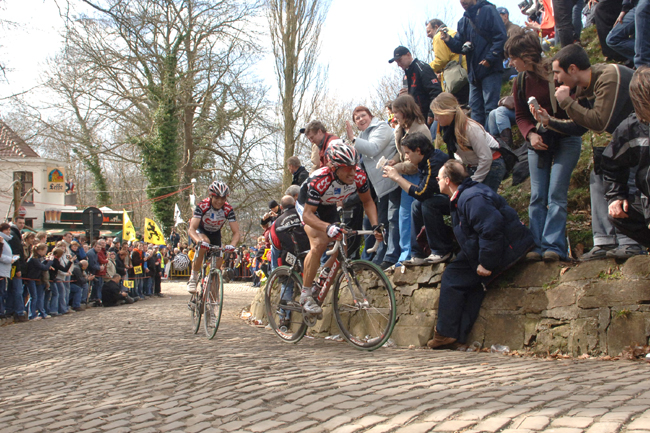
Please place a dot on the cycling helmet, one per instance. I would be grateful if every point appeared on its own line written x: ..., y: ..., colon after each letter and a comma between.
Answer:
x: 342, y: 155
x: 219, y: 189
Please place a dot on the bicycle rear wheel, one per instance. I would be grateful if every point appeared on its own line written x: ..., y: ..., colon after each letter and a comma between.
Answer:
x: 282, y: 299
x: 364, y: 305
x: 213, y: 304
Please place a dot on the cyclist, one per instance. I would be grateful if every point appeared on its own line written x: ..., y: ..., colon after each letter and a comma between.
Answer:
x: 209, y: 217
x: 317, y: 206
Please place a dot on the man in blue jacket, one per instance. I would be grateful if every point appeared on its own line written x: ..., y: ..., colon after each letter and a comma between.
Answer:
x: 430, y: 205
x: 491, y: 238
x: 481, y: 37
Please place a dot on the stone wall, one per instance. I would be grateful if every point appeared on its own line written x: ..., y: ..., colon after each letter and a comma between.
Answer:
x: 595, y: 307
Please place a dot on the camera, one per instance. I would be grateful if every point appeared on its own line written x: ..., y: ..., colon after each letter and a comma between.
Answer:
x: 467, y: 48
x: 531, y: 8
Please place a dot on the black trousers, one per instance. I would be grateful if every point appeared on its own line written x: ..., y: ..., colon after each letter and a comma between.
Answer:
x: 461, y: 296
x: 634, y: 225
x: 607, y: 12
x: 563, y: 12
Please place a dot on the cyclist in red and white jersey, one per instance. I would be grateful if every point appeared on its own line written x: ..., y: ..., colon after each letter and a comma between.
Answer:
x: 317, y: 206
x: 209, y: 218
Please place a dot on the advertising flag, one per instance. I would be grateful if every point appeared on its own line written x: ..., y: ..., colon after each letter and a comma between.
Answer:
x: 177, y: 215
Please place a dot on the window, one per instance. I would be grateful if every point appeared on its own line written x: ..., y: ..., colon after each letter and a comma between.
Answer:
x: 26, y: 179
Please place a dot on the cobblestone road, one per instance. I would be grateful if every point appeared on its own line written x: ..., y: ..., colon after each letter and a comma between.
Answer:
x: 139, y: 368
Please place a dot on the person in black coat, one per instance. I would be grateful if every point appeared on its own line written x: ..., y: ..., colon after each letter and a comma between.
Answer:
x: 492, y: 239
x: 113, y: 292
x: 297, y: 170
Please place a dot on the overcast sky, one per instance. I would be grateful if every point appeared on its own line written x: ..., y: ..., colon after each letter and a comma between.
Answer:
x: 357, y: 40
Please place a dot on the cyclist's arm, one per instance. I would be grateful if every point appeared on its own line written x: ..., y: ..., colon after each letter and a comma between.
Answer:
x: 191, y: 231
x: 234, y: 227
x: 310, y: 218
x: 369, y: 207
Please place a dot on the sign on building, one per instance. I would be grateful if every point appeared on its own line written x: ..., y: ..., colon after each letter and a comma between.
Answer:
x: 55, y: 180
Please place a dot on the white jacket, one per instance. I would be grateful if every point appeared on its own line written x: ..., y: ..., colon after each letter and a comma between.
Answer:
x: 6, y: 257
x: 376, y: 141
x: 479, y: 154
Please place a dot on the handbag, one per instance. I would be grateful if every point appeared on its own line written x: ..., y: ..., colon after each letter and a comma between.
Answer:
x: 455, y: 76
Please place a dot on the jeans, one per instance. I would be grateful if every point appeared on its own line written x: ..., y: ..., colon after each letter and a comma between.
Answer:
x: 66, y: 284
x: 548, y: 198
x: 388, y: 214
x: 484, y: 96
x: 63, y: 305
x: 461, y: 296
x: 275, y: 256
x: 496, y: 174
x: 138, y: 287
x: 405, y: 219
x: 429, y: 214
x: 52, y: 300
x: 96, y: 292
x: 603, y: 230
x: 149, y: 286
x: 84, y: 293
x: 3, y: 294
x: 621, y: 38
x: 642, y: 44
x: 15, y: 301
x: 75, y: 295
x: 499, y: 120
x: 33, y: 294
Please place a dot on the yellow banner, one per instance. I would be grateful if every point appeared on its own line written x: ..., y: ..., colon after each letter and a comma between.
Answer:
x: 128, y: 231
x: 152, y: 234
x: 137, y: 270
x: 128, y: 284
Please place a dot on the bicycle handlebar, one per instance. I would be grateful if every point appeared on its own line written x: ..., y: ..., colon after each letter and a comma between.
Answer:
x: 358, y: 232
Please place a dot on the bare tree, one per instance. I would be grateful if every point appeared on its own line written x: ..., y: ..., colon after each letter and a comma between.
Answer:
x: 295, y: 27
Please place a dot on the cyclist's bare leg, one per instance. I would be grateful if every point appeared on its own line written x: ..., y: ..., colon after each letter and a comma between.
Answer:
x: 197, y: 263
x: 318, y: 243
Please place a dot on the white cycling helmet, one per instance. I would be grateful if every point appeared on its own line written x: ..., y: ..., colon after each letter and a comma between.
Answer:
x: 219, y: 189
x: 342, y: 155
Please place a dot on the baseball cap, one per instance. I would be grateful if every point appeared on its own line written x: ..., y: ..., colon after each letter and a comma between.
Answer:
x: 503, y: 11
x: 399, y: 52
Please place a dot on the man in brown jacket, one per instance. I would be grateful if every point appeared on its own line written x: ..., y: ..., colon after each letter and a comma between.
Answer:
x: 600, y: 103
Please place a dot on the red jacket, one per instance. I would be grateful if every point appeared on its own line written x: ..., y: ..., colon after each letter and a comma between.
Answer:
x: 101, y: 258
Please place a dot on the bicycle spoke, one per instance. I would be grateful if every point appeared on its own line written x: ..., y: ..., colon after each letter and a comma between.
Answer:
x: 283, y: 310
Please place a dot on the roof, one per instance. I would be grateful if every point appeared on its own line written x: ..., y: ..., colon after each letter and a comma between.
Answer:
x: 12, y: 146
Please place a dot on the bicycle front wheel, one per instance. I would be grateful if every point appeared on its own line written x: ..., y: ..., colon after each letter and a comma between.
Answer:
x: 282, y: 300
x: 364, y: 305
x: 213, y: 304
x: 194, y: 306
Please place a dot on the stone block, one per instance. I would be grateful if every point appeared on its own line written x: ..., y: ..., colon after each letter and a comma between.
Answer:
x: 410, y: 275
x: 615, y: 292
x: 530, y: 330
x: 584, y: 337
x: 478, y: 331
x: 561, y: 296
x: 588, y: 270
x: 530, y: 274
x: 637, y: 267
x: 414, y: 330
x: 563, y: 313
x: 625, y: 330
x: 552, y: 339
x: 504, y: 298
x: 425, y: 299
x: 407, y: 290
x: 326, y: 324
x: 535, y: 300
x: 504, y: 329
x: 403, y: 304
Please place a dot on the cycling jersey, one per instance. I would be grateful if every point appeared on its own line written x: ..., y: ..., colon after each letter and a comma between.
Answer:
x: 212, y: 220
x: 323, y: 188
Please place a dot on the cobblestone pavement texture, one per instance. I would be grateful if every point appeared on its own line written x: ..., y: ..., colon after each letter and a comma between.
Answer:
x: 140, y: 368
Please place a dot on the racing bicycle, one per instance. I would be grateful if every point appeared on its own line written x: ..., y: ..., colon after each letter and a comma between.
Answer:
x: 363, y: 301
x: 208, y: 300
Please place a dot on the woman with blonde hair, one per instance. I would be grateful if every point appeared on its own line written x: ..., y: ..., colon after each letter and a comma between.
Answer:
x: 410, y: 120
x: 468, y: 142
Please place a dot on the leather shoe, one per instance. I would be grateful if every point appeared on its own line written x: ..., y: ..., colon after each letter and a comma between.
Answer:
x: 440, y: 341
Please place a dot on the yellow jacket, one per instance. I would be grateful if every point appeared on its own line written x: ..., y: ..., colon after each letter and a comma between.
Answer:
x: 443, y: 54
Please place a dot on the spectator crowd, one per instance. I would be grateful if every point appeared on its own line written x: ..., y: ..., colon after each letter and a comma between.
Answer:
x: 41, y: 277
